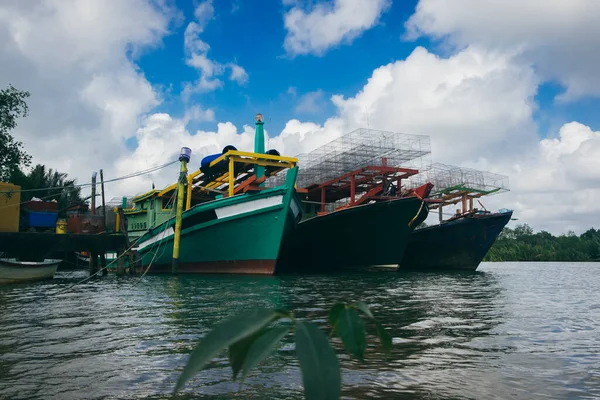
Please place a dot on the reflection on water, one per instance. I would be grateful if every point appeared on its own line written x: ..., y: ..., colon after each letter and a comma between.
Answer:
x: 509, y: 331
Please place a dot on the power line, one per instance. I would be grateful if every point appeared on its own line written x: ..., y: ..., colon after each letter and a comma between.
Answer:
x: 83, y: 185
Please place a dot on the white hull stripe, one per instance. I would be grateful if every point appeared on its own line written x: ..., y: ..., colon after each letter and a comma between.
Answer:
x: 248, y: 206
x: 223, y: 212
x: 164, y: 234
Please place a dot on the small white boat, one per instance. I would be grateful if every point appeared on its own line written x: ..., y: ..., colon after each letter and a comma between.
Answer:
x: 15, y: 271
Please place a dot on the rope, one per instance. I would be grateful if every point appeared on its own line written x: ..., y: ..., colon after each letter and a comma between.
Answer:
x: 116, y: 259
x: 412, y: 221
x: 158, y: 243
x: 83, y: 280
x: 70, y: 189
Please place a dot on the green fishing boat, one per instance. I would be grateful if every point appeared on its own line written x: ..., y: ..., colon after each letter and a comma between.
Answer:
x: 232, y: 222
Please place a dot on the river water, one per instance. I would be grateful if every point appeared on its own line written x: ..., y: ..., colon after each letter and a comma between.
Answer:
x: 509, y: 330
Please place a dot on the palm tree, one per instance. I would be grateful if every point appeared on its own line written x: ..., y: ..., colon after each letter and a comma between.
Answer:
x: 48, y: 185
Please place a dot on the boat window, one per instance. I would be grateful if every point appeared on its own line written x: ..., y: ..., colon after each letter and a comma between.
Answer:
x: 166, y: 204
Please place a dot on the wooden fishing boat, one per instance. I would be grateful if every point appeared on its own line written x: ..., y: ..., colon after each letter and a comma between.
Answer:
x: 15, y: 271
x: 370, y: 227
x: 455, y: 245
x: 356, y: 237
x: 232, y: 222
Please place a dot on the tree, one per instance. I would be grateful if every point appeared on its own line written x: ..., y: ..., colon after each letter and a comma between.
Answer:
x: 522, y: 244
x: 12, y: 107
x: 50, y: 185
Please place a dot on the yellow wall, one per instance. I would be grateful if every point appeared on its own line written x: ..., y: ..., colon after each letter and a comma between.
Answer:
x: 9, y: 207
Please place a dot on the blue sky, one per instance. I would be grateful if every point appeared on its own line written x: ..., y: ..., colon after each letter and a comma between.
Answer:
x: 253, y: 36
x: 511, y: 87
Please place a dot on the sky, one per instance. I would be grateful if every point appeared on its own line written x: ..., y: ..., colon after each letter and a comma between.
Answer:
x: 509, y: 87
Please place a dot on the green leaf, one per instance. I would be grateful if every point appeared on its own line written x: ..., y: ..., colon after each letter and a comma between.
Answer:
x: 351, y: 329
x: 238, y: 352
x: 318, y: 363
x: 334, y: 313
x: 262, y: 347
x: 384, y: 337
x: 223, y: 335
x: 362, y: 306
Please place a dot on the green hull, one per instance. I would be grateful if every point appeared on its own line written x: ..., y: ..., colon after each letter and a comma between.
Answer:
x: 241, y: 234
x: 360, y: 236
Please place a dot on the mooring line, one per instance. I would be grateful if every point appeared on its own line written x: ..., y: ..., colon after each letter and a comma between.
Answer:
x: 172, y: 199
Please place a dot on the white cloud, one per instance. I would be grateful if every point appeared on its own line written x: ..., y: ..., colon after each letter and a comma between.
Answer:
x: 160, y: 138
x: 310, y: 102
x: 197, y: 56
x: 557, y: 37
x: 557, y: 187
x: 87, y: 95
x: 196, y: 113
x: 238, y: 74
x: 328, y: 24
x: 473, y: 104
x: 204, y: 12
x: 477, y: 107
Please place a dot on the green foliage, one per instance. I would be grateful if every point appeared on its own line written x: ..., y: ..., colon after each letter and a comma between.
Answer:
x: 65, y: 191
x: 12, y: 107
x: 522, y: 244
x: 224, y: 335
x: 262, y: 347
x: 250, y: 341
x: 351, y: 329
x: 319, y: 364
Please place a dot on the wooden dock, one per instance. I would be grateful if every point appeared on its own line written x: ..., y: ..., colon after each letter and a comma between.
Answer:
x: 37, y: 246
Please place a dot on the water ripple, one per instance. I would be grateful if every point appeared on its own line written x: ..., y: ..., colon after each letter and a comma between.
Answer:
x: 510, y: 331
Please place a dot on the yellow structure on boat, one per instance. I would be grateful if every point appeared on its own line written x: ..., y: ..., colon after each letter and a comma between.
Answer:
x: 10, y: 201
x: 238, y: 163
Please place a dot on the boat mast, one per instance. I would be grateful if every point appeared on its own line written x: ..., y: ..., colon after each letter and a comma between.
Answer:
x: 184, y: 157
x: 259, y: 145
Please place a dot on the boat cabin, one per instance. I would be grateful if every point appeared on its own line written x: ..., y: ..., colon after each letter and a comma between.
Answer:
x: 149, y: 209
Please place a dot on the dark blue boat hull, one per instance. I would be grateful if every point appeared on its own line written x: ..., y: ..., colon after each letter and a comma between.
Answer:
x: 457, y: 245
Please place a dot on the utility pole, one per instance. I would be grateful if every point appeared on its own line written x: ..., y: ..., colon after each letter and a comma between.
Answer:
x: 94, y: 193
x: 103, y: 204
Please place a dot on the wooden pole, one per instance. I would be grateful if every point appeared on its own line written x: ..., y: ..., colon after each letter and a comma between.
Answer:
x: 121, y: 263
x: 103, y: 264
x: 188, y: 199
x: 103, y: 203
x: 184, y: 157
x: 232, y: 177
x: 93, y: 263
x: 94, y: 193
x: 440, y: 211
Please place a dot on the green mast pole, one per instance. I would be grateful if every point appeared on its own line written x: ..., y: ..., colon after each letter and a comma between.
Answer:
x: 259, y: 144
